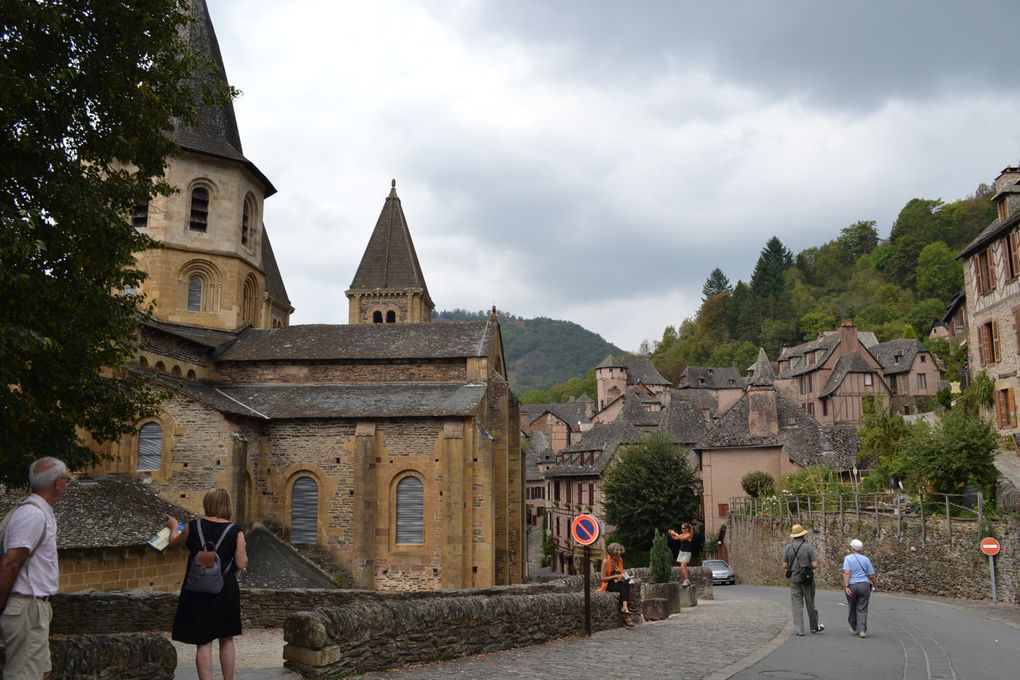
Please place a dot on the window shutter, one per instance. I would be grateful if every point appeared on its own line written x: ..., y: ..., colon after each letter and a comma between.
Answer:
x: 195, y: 294
x: 150, y: 446
x: 991, y: 268
x: 995, y: 354
x: 304, y: 511
x: 1014, y: 254
x: 982, y: 346
x: 199, y: 209
x: 411, y: 511
x: 1012, y: 407
x: 998, y: 408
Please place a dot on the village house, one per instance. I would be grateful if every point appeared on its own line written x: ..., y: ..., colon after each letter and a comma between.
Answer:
x: 765, y: 431
x: 991, y: 278
x: 615, y: 376
x: 391, y: 441
x: 829, y: 377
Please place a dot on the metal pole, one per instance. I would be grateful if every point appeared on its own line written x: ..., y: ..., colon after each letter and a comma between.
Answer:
x: 949, y: 521
x: 587, y: 590
x: 924, y: 527
x: 991, y: 565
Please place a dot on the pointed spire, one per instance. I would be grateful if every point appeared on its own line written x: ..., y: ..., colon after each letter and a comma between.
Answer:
x: 762, y: 373
x: 214, y: 131
x: 390, y: 262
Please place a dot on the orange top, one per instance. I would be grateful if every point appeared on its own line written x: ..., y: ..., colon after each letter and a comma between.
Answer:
x: 610, y: 566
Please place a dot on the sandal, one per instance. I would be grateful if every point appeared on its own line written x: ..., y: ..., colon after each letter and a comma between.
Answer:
x: 628, y: 621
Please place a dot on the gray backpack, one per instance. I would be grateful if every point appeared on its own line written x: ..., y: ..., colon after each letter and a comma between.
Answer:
x: 205, y: 574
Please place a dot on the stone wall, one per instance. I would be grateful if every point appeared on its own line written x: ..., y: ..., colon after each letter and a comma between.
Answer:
x: 946, y: 562
x: 112, y: 657
x: 366, y: 636
x: 130, y: 568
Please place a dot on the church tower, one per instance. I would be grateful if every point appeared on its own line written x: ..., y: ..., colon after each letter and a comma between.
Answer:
x: 215, y: 267
x: 389, y: 286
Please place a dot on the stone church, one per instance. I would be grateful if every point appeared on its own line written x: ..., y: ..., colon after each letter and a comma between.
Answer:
x: 393, y: 440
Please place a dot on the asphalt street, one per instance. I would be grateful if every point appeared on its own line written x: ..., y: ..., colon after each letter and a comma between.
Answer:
x: 909, y: 638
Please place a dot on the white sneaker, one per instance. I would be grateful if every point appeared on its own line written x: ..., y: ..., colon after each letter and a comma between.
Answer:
x: 685, y: 583
x: 864, y: 633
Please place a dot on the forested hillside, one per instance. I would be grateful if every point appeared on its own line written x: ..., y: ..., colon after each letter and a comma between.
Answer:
x: 542, y: 352
x: 895, y: 287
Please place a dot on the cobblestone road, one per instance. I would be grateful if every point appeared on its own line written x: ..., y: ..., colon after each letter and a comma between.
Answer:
x: 696, y: 643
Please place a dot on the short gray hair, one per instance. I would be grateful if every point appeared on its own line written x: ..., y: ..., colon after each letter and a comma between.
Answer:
x: 44, y: 472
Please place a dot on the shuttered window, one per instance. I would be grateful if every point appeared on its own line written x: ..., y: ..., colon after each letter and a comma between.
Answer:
x: 199, y: 218
x: 150, y: 446
x: 195, y: 294
x: 410, y: 511
x: 304, y: 511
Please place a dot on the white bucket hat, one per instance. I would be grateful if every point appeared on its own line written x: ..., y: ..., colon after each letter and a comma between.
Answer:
x: 856, y: 544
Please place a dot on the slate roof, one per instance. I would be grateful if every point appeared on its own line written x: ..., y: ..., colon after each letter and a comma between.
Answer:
x: 387, y: 400
x: 958, y: 300
x: 641, y: 370
x: 711, y: 377
x: 762, y: 374
x: 828, y: 341
x: 274, y: 280
x: 104, y: 512
x: 390, y: 261
x: 538, y: 451
x: 215, y: 130
x: 848, y: 363
x: 804, y: 440
x: 363, y: 342
x: 990, y: 233
x: 681, y: 420
x: 701, y: 398
x: 610, y: 362
x: 887, y: 352
x: 571, y: 412
x: 200, y: 336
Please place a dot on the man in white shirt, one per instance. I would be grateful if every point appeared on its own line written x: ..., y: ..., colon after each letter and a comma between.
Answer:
x: 29, y: 574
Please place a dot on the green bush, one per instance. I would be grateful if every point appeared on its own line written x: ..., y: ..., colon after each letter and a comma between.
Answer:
x: 660, y: 559
x: 757, y: 484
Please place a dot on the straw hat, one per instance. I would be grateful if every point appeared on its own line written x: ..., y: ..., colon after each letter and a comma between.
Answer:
x: 797, y: 531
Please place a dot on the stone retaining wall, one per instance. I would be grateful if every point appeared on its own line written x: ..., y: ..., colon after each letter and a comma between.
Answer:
x: 373, y: 635
x: 112, y: 657
x: 944, y: 564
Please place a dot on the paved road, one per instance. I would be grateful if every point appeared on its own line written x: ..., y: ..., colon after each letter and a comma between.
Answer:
x: 744, y: 634
x: 909, y: 638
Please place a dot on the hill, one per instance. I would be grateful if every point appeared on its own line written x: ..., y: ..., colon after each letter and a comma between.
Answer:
x: 542, y: 352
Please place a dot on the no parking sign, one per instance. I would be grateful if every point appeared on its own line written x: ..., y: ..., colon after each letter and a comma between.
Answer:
x: 585, y: 529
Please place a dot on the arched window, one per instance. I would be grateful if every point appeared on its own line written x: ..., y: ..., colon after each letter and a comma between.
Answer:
x: 377, y: 317
x: 410, y: 511
x: 195, y: 293
x: 249, y: 301
x: 391, y: 316
x: 199, y: 216
x: 140, y: 217
x: 176, y: 372
x: 304, y: 511
x: 143, y: 362
x: 246, y: 216
x: 150, y: 446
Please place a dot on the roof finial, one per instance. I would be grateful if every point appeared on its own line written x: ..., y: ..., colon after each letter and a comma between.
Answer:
x: 393, y: 188
x: 393, y: 183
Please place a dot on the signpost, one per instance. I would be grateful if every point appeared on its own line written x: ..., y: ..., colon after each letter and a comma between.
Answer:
x: 585, y: 529
x: 990, y: 546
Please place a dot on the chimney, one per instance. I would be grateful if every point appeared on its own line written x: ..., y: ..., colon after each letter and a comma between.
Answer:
x: 1009, y: 176
x: 1007, y: 193
x: 848, y: 340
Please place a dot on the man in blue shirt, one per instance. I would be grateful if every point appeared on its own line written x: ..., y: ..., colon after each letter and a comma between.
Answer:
x: 859, y: 580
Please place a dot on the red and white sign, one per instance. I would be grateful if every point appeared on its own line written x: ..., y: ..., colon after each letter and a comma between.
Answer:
x: 585, y: 529
x: 989, y: 546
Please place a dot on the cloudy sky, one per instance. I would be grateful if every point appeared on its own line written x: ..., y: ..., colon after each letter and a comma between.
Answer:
x: 594, y: 161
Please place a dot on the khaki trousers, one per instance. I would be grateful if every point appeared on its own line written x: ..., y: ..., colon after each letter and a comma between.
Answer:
x: 26, y: 629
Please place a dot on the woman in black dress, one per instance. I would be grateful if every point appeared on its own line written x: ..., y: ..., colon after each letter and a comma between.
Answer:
x: 203, y: 617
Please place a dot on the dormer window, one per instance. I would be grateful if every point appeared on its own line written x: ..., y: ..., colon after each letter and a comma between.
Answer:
x: 199, y: 213
x: 1001, y: 204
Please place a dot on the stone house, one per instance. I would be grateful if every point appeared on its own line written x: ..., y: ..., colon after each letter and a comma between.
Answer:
x: 991, y: 279
x: 766, y: 431
x: 574, y: 481
x: 830, y: 376
x: 953, y: 323
x: 538, y: 458
x: 391, y: 441
x: 715, y: 389
x: 614, y: 376
x: 562, y: 423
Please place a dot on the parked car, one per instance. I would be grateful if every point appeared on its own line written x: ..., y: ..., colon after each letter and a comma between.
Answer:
x: 721, y: 572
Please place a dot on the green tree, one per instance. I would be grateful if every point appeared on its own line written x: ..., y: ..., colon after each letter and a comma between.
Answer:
x: 939, y: 274
x: 958, y: 451
x: 660, y: 559
x: 919, y: 223
x: 715, y: 284
x: 813, y: 323
x: 88, y: 95
x: 647, y: 486
x: 860, y: 238
x: 758, y: 484
x: 881, y: 431
x: 769, y: 277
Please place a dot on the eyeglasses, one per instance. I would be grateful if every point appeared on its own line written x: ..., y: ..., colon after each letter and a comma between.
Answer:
x: 65, y: 478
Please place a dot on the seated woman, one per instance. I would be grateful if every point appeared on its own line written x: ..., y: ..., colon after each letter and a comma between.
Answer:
x: 615, y: 580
